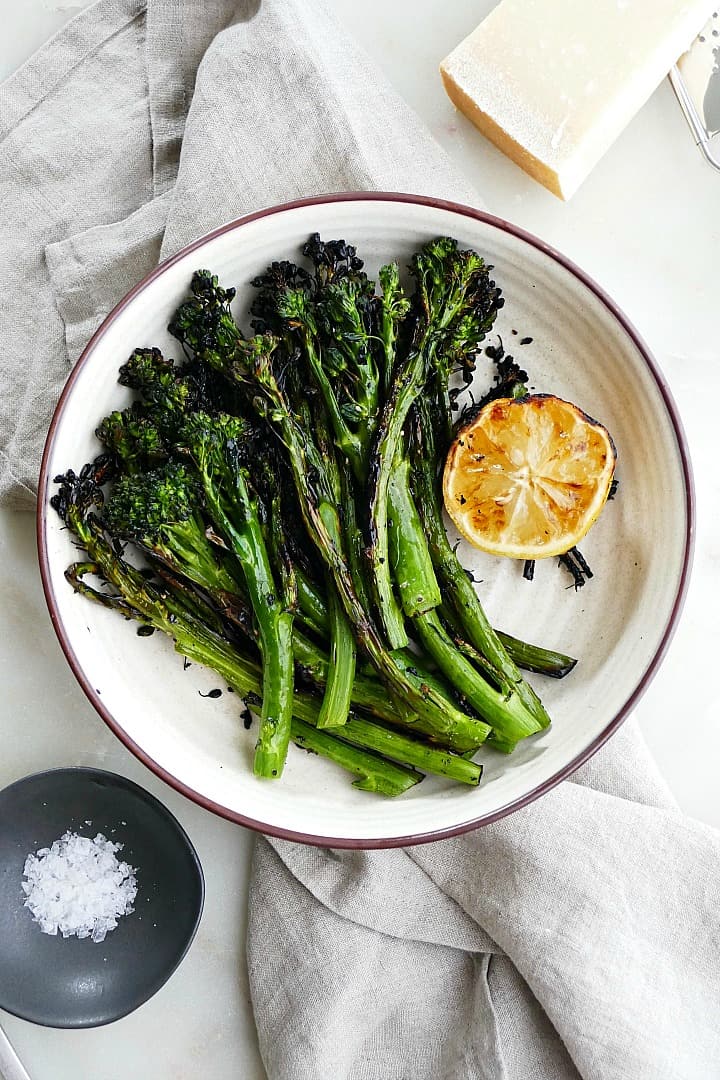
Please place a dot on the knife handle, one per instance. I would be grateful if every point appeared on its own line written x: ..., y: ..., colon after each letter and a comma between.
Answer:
x: 11, y: 1068
x: 696, y: 82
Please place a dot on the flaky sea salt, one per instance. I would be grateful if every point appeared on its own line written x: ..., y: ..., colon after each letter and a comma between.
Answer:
x: 77, y: 886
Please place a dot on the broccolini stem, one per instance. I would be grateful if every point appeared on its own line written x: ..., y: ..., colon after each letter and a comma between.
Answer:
x: 340, y: 669
x: 277, y: 543
x: 278, y: 673
x: 311, y: 604
x: 373, y: 773
x: 193, y: 640
x: 410, y: 559
x: 406, y: 386
x: 313, y: 663
x: 439, y: 715
x: 75, y: 575
x: 504, y: 746
x: 494, y: 677
x: 347, y: 441
x: 531, y: 657
x: 461, y: 737
x: 536, y: 658
x: 244, y: 534
x: 409, y: 751
x: 446, y: 722
x: 542, y: 661
x: 367, y: 692
x: 371, y: 696
x: 506, y: 715
x: 356, y: 551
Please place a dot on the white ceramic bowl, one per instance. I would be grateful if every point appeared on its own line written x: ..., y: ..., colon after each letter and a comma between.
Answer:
x: 583, y: 349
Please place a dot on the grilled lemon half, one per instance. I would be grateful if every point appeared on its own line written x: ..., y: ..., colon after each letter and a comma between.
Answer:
x: 528, y: 477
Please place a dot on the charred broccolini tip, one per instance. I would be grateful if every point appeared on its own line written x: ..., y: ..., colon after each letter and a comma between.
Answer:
x: 79, y: 501
x: 278, y: 278
x: 216, y: 442
x: 146, y: 506
x: 331, y: 259
x: 133, y: 438
x: 455, y: 289
x: 510, y: 379
x: 204, y: 322
x: 144, y: 371
x: 456, y: 285
x: 79, y: 495
x: 394, y: 307
x: 162, y: 511
x: 166, y: 392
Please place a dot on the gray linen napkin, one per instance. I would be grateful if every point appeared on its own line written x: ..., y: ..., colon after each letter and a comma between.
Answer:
x: 581, y: 936
x: 578, y: 938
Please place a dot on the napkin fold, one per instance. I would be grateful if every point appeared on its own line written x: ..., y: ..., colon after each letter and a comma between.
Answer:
x: 579, y: 937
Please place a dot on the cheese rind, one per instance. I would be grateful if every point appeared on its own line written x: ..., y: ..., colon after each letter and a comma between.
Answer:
x: 553, y: 82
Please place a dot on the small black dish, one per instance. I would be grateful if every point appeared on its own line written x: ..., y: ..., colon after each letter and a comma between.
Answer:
x: 72, y: 982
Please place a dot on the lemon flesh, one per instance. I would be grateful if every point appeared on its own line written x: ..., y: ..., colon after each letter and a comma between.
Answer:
x: 528, y: 477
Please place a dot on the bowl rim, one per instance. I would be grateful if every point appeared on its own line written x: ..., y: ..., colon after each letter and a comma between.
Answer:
x: 88, y: 772
x: 614, y: 723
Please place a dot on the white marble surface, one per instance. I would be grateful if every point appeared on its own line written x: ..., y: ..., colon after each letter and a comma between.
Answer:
x: 646, y: 225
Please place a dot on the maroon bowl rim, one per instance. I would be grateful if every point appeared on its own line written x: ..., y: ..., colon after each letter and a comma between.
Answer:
x: 617, y: 719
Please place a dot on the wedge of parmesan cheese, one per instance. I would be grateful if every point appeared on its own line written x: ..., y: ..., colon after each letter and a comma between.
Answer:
x: 553, y: 82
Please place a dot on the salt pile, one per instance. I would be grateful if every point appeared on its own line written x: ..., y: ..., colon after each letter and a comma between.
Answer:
x: 79, y: 887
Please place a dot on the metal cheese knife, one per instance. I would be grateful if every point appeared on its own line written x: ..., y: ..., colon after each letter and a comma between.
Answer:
x: 11, y: 1067
x: 696, y: 82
